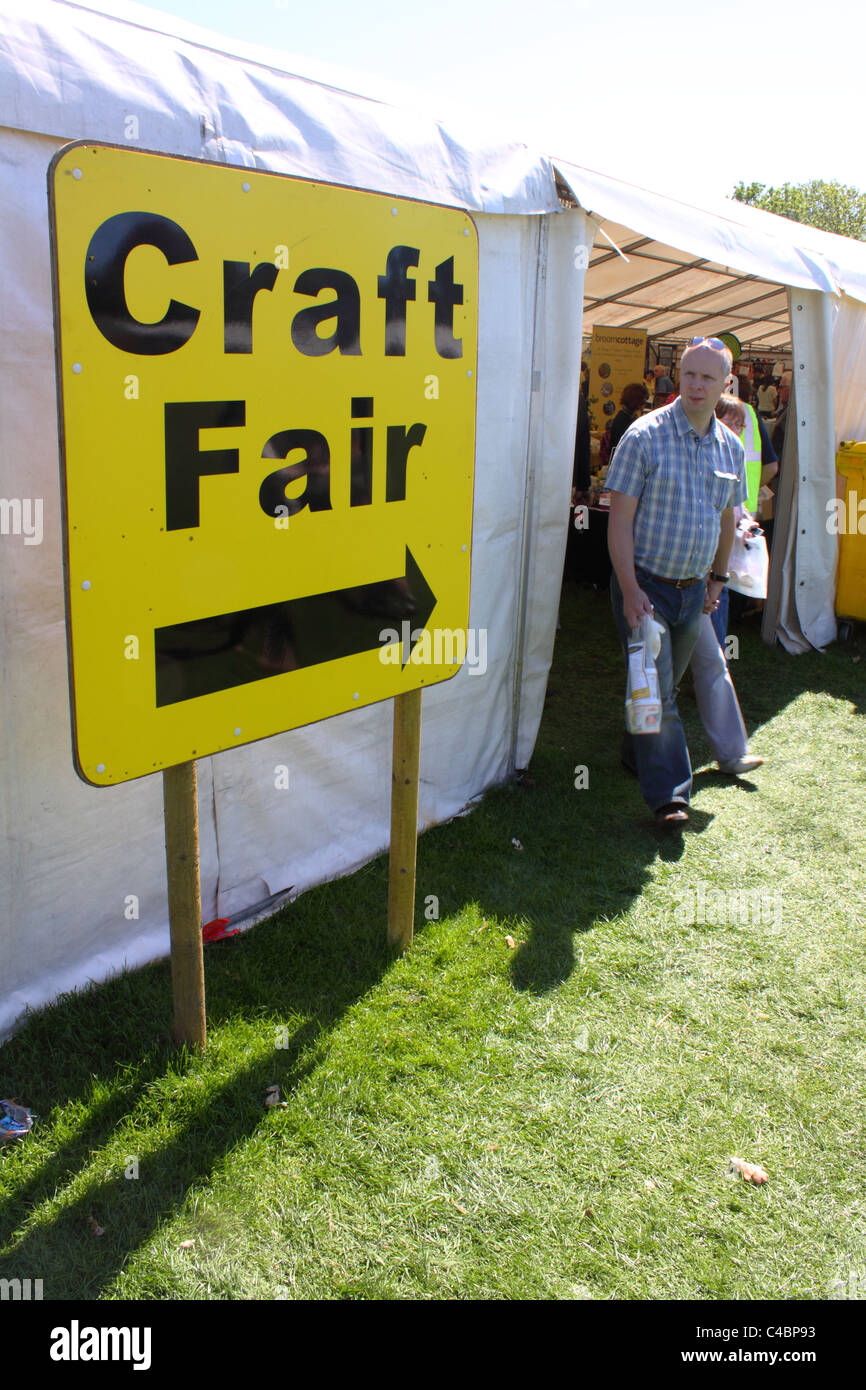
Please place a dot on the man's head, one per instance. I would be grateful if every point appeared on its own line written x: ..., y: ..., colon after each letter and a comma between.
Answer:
x: 715, y: 345
x: 658, y: 370
x: 704, y: 371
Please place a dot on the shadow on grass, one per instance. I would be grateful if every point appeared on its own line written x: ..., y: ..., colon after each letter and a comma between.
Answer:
x: 580, y: 858
x: 107, y: 1053
x: 600, y: 847
x: 288, y: 970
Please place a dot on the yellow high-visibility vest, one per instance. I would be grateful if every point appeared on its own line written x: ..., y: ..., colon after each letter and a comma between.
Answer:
x: 751, y: 442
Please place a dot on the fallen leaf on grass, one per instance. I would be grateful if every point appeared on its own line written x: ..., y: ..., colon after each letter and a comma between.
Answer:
x: 749, y: 1172
x: 491, y: 1148
x: 95, y: 1227
x: 457, y: 1207
x: 186, y: 1245
x: 510, y: 943
x: 517, y: 844
x: 272, y: 1099
x: 650, y: 1185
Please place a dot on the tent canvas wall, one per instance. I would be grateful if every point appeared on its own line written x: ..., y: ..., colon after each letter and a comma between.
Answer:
x: 72, y: 856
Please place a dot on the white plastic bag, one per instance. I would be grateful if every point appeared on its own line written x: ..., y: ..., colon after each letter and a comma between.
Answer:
x: 748, y: 564
x: 643, y: 706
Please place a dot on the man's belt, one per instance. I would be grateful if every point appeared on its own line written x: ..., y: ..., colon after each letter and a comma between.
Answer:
x: 677, y: 583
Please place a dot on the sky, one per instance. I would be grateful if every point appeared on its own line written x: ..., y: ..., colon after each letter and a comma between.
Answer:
x: 681, y: 97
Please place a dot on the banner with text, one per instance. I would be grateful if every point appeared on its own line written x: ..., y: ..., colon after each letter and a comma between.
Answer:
x: 617, y: 358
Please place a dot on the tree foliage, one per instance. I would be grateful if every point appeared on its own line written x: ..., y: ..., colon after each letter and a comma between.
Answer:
x: 833, y: 206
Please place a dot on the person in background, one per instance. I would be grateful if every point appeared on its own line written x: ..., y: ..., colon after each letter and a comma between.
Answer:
x: 582, y: 454
x: 778, y: 425
x: 632, y: 402
x: 776, y: 428
x: 732, y: 412
x: 716, y: 697
x: 761, y: 461
x: 663, y: 386
x: 580, y: 472
x: 649, y: 381
x: 767, y: 397
x: 762, y: 465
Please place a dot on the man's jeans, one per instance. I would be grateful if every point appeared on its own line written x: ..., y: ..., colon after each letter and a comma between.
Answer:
x: 717, y: 700
x: 720, y: 618
x: 662, y: 760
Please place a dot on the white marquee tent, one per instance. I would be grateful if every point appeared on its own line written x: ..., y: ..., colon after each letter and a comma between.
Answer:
x: 71, y: 855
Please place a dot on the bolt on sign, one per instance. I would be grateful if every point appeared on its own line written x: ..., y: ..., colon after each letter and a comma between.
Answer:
x: 267, y: 396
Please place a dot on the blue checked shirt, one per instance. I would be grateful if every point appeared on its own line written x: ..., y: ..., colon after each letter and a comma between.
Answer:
x: 683, y: 484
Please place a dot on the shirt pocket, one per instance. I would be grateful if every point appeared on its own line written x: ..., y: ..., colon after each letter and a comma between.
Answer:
x: 722, y: 486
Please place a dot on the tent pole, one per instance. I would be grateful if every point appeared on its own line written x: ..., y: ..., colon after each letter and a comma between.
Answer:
x: 534, y: 436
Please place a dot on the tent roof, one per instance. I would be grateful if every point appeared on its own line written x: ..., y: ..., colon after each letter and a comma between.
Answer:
x: 74, y: 73
x: 671, y: 294
x: 70, y: 71
x: 702, y: 269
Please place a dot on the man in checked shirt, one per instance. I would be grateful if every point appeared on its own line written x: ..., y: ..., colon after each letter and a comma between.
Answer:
x: 674, y: 481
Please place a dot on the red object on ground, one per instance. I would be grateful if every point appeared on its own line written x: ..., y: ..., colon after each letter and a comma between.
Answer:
x: 216, y: 930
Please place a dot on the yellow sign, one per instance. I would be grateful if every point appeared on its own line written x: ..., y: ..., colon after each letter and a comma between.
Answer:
x: 268, y: 413
x: 617, y: 359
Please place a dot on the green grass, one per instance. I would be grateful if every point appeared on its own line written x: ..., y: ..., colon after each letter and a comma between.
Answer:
x: 475, y: 1121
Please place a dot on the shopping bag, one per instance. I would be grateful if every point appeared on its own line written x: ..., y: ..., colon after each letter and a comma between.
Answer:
x: 748, y: 564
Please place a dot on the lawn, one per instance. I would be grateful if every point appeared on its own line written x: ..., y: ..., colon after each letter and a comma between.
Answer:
x: 539, y: 1100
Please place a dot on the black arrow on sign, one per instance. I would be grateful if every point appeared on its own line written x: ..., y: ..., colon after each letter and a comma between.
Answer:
x: 228, y: 649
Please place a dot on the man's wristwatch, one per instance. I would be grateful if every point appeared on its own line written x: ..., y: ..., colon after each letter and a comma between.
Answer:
x: 719, y: 578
